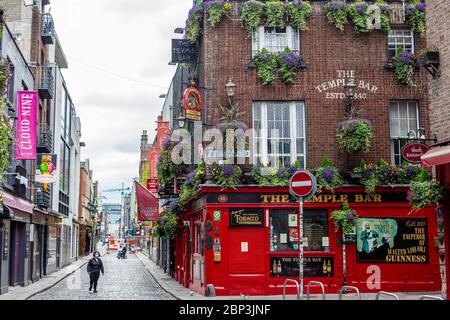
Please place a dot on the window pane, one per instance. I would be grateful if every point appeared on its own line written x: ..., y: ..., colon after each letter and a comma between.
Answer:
x: 316, y: 229
x: 283, y: 230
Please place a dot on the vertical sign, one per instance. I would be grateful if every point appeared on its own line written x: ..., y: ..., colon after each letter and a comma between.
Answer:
x: 26, y: 125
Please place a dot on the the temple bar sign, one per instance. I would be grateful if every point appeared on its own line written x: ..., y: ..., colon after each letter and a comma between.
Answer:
x: 183, y: 51
x: 326, y: 198
x: 335, y: 89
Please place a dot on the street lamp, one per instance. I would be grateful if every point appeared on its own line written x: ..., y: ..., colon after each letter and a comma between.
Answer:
x: 350, y: 94
x: 231, y: 89
x: 181, y: 121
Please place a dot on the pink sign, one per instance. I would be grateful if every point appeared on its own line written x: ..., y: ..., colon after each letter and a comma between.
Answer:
x: 26, y: 125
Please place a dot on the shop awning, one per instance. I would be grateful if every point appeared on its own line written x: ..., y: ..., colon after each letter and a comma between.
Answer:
x: 436, y: 156
x: 17, y: 203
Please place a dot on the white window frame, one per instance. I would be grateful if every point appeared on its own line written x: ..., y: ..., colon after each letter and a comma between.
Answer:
x: 402, y: 135
x: 294, y: 135
x: 258, y: 39
x: 392, y: 35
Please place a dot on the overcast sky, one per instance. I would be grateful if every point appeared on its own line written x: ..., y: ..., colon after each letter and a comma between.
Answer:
x: 126, y: 37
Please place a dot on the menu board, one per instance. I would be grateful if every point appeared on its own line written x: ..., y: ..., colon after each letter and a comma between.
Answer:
x: 395, y: 240
x: 313, y: 266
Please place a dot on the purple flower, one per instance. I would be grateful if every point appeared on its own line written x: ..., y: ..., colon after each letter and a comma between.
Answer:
x: 361, y: 7
x: 367, y: 174
x: 281, y: 172
x: 207, y: 3
x: 190, y: 178
x: 350, y: 217
x: 328, y: 174
x: 410, y: 10
x: 335, y: 6
x: 406, y: 57
x: 384, y: 8
x: 228, y: 171
x: 292, y: 60
x: 411, y: 171
x: 421, y: 6
x: 253, y: 4
x: 165, y: 144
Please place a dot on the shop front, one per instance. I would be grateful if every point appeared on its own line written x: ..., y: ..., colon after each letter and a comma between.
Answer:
x: 15, y: 243
x: 38, y: 245
x: 53, y: 235
x: 245, y: 241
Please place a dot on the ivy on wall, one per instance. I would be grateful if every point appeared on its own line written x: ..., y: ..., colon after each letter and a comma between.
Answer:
x: 5, y: 128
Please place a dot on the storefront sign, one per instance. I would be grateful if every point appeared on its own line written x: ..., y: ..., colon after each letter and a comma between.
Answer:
x: 217, y: 215
x: 193, y: 104
x: 26, y: 125
x: 152, y: 185
x: 46, y: 168
x: 246, y: 217
x: 334, y: 89
x: 5, y: 244
x: 393, y: 240
x: 183, y: 51
x: 276, y: 198
x: 413, y: 152
x: 313, y: 266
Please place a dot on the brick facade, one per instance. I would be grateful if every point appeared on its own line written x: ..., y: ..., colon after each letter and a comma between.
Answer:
x: 438, y: 26
x: 226, y: 54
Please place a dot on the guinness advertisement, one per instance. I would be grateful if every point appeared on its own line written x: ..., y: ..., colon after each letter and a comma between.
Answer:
x: 274, y: 198
x: 313, y: 267
x: 246, y: 217
x: 392, y: 240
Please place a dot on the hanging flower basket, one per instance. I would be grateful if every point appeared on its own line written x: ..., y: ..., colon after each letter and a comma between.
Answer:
x: 354, y: 135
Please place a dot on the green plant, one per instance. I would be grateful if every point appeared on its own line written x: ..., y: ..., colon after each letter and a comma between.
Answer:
x: 416, y: 16
x: 345, y: 219
x: 336, y: 13
x: 328, y: 177
x: 359, y: 16
x: 167, y: 226
x: 194, y: 25
x: 404, y: 64
x: 227, y: 176
x: 425, y: 191
x: 354, y: 135
x: 266, y: 66
x: 167, y: 169
x: 289, y: 63
x: 251, y: 14
x: 275, y: 11
x: 299, y: 13
x: 5, y: 128
x: 216, y: 10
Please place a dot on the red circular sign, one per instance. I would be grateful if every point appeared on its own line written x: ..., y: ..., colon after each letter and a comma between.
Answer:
x: 302, y: 183
x: 413, y: 151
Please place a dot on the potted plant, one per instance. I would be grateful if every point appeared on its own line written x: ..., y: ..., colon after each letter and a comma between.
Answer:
x: 216, y: 10
x: 345, y: 219
x: 428, y: 56
x: 336, y: 12
x: 416, y: 16
x: 298, y: 13
x: 328, y: 176
x: 194, y: 24
x: 251, y: 13
x: 354, y: 135
x: 227, y: 176
x: 404, y: 64
x: 425, y: 191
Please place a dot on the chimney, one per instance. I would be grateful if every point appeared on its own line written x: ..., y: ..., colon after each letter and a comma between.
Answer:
x: 144, y: 140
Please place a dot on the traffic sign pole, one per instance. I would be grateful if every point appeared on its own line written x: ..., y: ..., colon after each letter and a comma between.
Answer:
x: 303, y: 186
x: 301, y: 257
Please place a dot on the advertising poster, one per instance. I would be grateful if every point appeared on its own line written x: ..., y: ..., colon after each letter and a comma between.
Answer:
x: 26, y: 134
x: 392, y: 240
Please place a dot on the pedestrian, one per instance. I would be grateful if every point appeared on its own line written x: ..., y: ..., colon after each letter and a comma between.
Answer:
x: 94, y: 267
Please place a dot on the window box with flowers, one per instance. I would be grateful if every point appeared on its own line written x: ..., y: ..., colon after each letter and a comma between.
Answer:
x: 328, y: 176
x: 416, y: 16
x: 216, y: 10
x: 405, y: 64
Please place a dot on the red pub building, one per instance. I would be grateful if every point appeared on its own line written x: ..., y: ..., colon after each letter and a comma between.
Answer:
x: 245, y: 239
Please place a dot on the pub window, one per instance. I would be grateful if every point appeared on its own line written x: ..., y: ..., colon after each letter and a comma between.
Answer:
x: 400, y: 39
x: 403, y: 118
x: 284, y: 230
x: 279, y: 133
x: 275, y: 39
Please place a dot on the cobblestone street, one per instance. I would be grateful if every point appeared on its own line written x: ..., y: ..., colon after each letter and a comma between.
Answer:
x: 124, y: 280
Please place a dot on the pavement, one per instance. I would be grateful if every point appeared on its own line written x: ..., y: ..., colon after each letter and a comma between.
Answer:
x: 180, y: 292
x: 139, y: 278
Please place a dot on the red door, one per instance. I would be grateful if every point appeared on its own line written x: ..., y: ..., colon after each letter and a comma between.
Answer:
x: 246, y: 261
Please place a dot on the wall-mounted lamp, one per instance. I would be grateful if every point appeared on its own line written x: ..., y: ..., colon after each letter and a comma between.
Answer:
x: 350, y: 94
x: 181, y: 121
x: 419, y: 134
x: 231, y: 90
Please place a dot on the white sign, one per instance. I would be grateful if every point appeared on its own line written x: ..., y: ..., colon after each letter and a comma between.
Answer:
x: 45, y: 178
x: 244, y: 246
x: 293, y: 222
x: 283, y: 237
x: 335, y: 89
x: 325, y: 241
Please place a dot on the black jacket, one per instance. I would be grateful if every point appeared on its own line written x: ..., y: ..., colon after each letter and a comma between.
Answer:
x: 95, y: 265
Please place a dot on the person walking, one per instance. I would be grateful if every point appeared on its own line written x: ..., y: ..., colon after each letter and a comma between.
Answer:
x: 94, y: 267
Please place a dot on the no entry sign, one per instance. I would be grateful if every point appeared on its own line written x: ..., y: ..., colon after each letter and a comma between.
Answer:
x: 303, y: 184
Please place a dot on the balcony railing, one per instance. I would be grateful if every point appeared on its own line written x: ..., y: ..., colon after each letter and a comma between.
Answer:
x: 48, y: 29
x: 42, y: 199
x: 45, y: 139
x: 47, y: 84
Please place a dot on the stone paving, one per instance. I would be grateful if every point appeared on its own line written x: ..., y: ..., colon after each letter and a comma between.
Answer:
x: 125, y: 279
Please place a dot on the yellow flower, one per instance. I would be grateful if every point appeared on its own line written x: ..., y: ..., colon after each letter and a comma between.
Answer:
x: 228, y: 6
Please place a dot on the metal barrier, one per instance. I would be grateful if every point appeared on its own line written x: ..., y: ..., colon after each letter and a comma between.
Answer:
x: 296, y: 284
x: 430, y: 298
x: 309, y: 286
x: 345, y: 288
x: 386, y: 294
